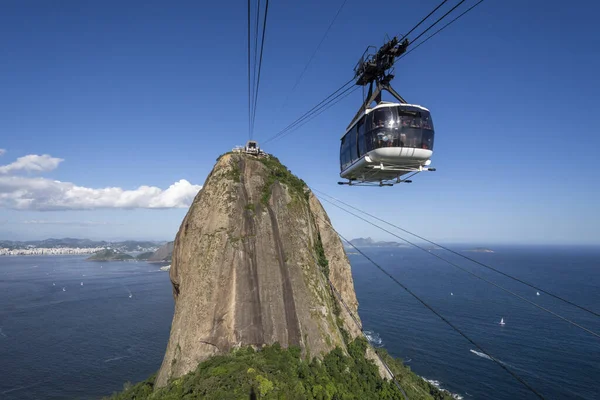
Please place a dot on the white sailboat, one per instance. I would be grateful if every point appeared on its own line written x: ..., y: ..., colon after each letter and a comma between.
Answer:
x: 502, y: 321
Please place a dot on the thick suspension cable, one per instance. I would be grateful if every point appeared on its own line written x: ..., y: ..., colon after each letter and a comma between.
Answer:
x: 322, y: 109
x: 422, y: 20
x: 438, y: 20
x: 313, y: 55
x: 465, y: 257
x: 308, y: 113
x: 249, y: 91
x: 514, y: 375
x: 264, y: 30
x: 439, y: 30
x: 255, y: 59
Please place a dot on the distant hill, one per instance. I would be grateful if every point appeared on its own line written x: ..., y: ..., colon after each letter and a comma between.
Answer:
x: 163, y: 254
x: 144, y: 256
x: 368, y: 242
x: 109, y: 255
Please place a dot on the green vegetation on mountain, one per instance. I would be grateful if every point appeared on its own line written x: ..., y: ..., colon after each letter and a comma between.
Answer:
x: 277, y: 373
x: 109, y: 255
x: 279, y: 172
x: 322, y: 260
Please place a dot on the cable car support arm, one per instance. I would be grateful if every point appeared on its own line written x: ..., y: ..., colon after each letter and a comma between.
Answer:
x: 374, y: 69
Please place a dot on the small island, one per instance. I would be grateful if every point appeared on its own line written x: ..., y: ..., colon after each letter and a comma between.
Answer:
x: 109, y: 255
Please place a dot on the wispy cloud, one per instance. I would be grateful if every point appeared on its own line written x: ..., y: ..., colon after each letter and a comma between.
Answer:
x: 2, y: 151
x: 31, y: 163
x: 41, y: 194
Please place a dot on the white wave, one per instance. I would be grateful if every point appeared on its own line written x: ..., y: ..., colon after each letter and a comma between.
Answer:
x: 374, y: 338
x: 2, y: 333
x: 438, y: 385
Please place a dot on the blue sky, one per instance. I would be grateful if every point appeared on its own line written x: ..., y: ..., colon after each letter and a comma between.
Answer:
x: 129, y: 94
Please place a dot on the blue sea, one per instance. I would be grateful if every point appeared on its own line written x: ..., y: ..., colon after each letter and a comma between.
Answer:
x: 86, y: 341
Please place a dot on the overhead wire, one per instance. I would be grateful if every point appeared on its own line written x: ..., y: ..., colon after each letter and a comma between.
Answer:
x: 313, y: 54
x: 500, y: 364
x: 256, y: 24
x: 326, y: 100
x: 264, y: 29
x: 466, y: 257
x: 470, y: 272
x: 423, y: 20
x: 322, y: 109
x: 438, y: 20
x: 249, y: 91
x: 439, y: 30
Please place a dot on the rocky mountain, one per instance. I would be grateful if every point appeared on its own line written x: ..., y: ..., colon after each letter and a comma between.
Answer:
x: 163, y: 254
x: 250, y: 266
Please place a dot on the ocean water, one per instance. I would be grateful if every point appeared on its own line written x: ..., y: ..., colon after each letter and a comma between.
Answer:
x: 86, y: 341
x: 558, y: 360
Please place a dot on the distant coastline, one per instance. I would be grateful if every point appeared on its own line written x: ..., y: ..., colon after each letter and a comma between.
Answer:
x: 49, y: 251
x: 71, y: 246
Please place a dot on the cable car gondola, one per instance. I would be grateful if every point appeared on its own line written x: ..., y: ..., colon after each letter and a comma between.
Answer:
x: 386, y: 142
x: 391, y: 139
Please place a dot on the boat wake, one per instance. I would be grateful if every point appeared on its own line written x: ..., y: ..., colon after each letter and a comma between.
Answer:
x: 482, y: 355
x: 115, y: 359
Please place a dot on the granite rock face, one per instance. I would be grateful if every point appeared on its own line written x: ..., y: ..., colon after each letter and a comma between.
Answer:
x: 245, y: 268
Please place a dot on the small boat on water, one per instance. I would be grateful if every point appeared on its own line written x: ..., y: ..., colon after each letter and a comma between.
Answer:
x: 502, y: 321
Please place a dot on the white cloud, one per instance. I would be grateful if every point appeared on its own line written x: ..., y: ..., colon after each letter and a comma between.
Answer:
x: 31, y: 163
x: 43, y: 194
x: 2, y: 151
